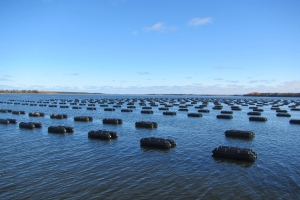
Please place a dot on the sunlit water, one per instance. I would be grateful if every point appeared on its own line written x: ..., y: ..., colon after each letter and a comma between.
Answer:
x: 35, y: 164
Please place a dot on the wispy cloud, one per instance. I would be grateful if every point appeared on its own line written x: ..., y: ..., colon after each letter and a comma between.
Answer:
x: 228, y: 81
x: 232, y: 81
x: 143, y: 73
x: 72, y: 74
x: 37, y: 87
x: 135, y: 32
x: 291, y: 86
x: 253, y: 81
x: 189, y: 77
x: 91, y: 87
x: 262, y: 81
x: 199, y: 21
x: 5, y: 79
x: 158, y: 27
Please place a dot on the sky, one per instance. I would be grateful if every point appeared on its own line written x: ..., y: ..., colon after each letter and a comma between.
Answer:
x: 150, y: 46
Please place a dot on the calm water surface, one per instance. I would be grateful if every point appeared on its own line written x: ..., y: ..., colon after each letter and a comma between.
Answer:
x: 35, y: 164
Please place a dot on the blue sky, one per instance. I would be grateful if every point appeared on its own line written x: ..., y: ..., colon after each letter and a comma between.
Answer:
x: 150, y: 46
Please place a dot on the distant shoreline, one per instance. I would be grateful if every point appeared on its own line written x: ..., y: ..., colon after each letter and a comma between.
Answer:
x: 257, y: 94
x: 51, y: 93
x: 41, y: 92
x: 253, y: 94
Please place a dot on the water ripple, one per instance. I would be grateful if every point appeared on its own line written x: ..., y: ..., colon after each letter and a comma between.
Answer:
x: 35, y: 164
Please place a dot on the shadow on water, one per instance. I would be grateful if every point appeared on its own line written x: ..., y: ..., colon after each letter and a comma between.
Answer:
x: 104, y: 141
x: 145, y: 128
x: 242, y: 163
x: 59, y: 134
x: 30, y: 130
x: 147, y: 149
x: 232, y: 138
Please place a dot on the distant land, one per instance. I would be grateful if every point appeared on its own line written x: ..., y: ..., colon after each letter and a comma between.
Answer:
x: 276, y: 94
x: 41, y: 92
x: 252, y: 94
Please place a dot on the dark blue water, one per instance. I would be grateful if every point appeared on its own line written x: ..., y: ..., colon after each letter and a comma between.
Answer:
x: 35, y: 164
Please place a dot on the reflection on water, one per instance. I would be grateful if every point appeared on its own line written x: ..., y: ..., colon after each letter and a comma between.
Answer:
x: 146, y: 149
x: 233, y: 162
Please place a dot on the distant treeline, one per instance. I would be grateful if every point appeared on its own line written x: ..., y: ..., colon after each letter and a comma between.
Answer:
x: 41, y: 92
x: 276, y: 94
x: 20, y: 91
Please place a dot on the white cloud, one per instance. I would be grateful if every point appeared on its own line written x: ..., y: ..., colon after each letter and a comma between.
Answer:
x: 262, y: 81
x: 229, y: 81
x: 156, y: 27
x: 253, y: 81
x: 91, y: 87
x: 197, y: 88
x: 5, y: 79
x: 143, y: 73
x: 135, y: 32
x: 289, y: 86
x: 160, y: 27
x: 73, y: 74
x: 292, y: 86
x: 199, y: 21
x: 65, y: 88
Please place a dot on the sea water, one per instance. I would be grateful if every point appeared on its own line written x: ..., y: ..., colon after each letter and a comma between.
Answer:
x: 35, y: 164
